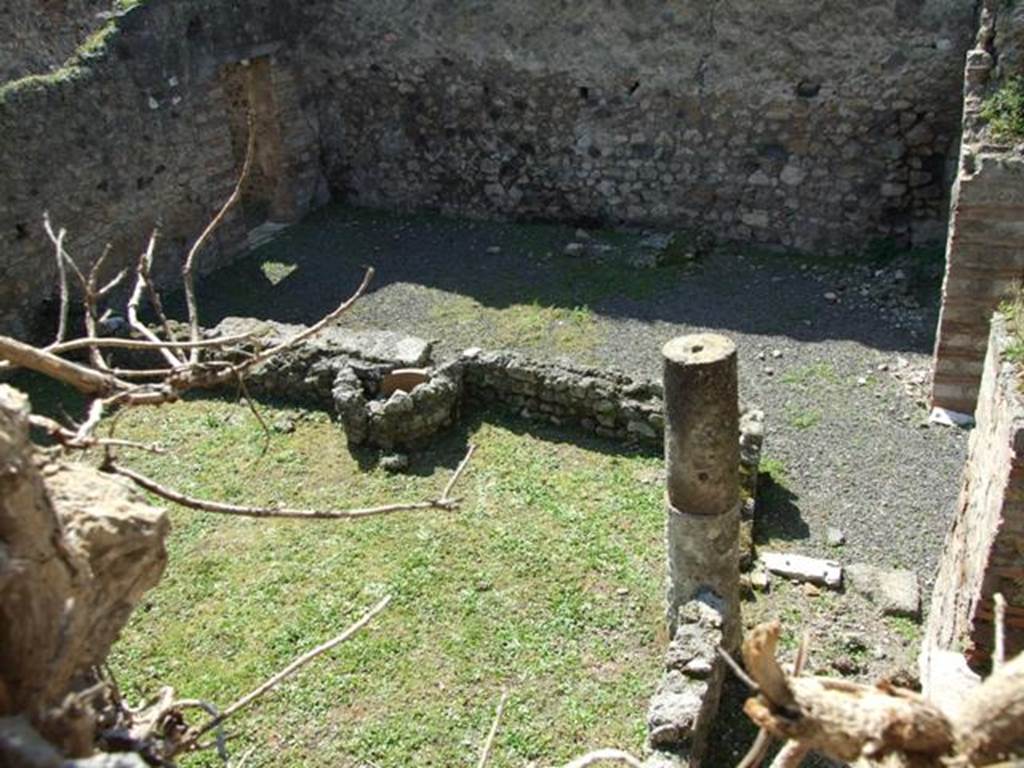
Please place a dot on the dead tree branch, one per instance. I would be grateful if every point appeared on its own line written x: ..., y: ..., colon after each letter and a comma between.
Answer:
x: 62, y: 276
x: 141, y: 281
x: 485, y: 752
x: 445, y: 502
x: 188, y: 271
x: 881, y: 725
x: 281, y: 676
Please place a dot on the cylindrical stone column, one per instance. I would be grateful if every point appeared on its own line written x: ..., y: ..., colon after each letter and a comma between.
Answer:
x: 702, y: 462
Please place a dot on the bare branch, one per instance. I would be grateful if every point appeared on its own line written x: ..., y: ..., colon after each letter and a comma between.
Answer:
x: 314, y: 329
x: 756, y: 754
x: 95, y: 414
x: 999, y: 653
x: 136, y: 299
x: 116, y: 343
x: 86, y: 380
x: 62, y: 276
x: 485, y: 753
x: 69, y: 439
x: 790, y: 756
x: 145, y: 272
x: 737, y: 669
x: 284, y: 674
x: 115, y: 281
x: 447, y: 494
x: 91, y: 311
x: 188, y: 270
x: 271, y: 512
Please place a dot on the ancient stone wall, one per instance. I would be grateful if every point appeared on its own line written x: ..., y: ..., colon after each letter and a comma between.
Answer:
x: 136, y: 132
x: 985, y: 549
x: 40, y: 35
x: 985, y: 247
x: 817, y: 125
x: 814, y: 125
x: 605, y: 402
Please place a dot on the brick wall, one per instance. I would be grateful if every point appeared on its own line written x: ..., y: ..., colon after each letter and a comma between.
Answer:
x: 984, y: 551
x: 985, y: 246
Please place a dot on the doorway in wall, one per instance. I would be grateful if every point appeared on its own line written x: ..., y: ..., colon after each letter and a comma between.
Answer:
x: 267, y: 194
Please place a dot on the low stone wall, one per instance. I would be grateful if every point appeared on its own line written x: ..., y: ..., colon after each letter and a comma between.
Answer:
x: 606, y: 402
x: 685, y: 705
x: 402, y: 419
x: 985, y: 548
x: 339, y: 370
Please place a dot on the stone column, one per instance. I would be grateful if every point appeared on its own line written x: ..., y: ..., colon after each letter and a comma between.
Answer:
x: 702, y: 463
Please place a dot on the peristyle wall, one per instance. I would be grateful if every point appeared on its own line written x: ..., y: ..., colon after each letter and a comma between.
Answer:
x: 807, y: 124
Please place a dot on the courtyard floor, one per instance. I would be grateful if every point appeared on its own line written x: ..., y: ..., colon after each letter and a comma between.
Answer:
x: 841, y: 383
x: 548, y: 582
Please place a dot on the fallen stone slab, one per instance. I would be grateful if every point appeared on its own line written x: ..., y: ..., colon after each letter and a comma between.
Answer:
x: 895, y: 591
x: 826, y: 573
x: 371, y: 345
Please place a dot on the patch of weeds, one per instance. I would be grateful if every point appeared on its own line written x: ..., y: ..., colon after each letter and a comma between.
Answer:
x: 803, y: 419
x: 814, y: 372
x: 1013, y: 310
x: 908, y: 630
x: 1004, y: 110
x: 563, y: 330
x: 775, y: 469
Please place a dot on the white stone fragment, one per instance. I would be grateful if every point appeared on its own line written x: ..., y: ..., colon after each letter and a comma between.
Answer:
x: 947, y: 418
x: 802, y: 568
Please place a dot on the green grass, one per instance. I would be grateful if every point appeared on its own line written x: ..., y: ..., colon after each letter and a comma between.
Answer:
x: 803, y: 418
x: 775, y: 469
x: 813, y: 373
x: 1004, y: 110
x: 1013, y: 310
x: 547, y: 582
x: 909, y: 631
x: 571, y: 331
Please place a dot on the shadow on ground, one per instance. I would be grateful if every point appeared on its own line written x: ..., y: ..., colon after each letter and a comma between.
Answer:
x: 305, y: 272
x: 778, y: 514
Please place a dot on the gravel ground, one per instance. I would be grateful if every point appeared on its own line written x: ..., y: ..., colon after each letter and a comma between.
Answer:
x: 836, y: 355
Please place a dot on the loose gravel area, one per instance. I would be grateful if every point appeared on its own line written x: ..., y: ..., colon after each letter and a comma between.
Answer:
x: 836, y: 354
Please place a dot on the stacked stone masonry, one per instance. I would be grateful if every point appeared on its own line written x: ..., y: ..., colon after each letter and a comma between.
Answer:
x: 341, y: 370
x: 810, y: 125
x: 134, y: 132
x: 685, y: 704
x: 985, y: 247
x: 985, y: 549
x: 41, y: 34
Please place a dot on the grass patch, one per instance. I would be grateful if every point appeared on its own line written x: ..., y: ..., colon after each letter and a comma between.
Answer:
x: 548, y: 581
x: 803, y: 418
x: 1004, y: 110
x: 276, y: 271
x: 909, y: 631
x: 775, y: 469
x: 1013, y: 310
x: 808, y: 374
x: 563, y: 330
